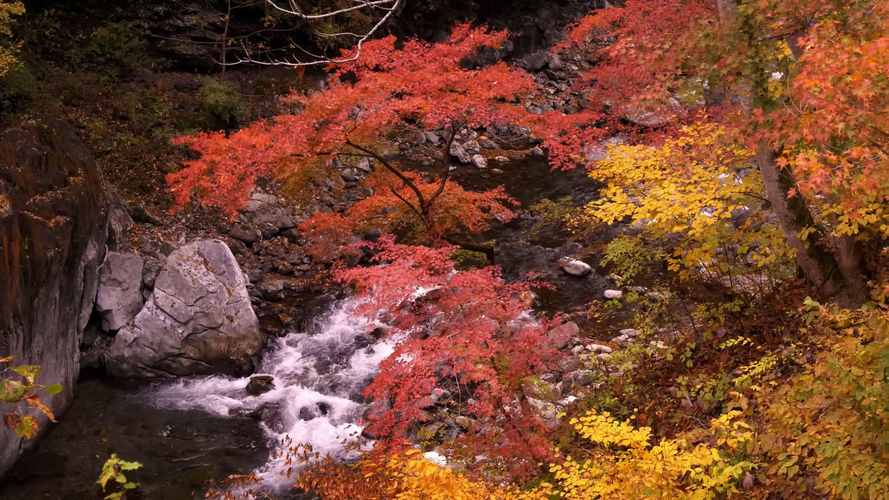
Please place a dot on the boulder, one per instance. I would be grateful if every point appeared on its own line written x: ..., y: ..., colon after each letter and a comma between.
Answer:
x: 260, y: 384
x: 458, y: 152
x: 53, y: 227
x: 575, y: 267
x: 119, y: 298
x: 198, y: 319
x: 562, y: 335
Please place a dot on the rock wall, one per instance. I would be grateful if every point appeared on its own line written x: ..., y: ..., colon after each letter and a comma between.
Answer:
x: 53, y: 224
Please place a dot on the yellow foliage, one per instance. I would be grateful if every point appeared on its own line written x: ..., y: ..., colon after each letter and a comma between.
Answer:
x: 8, y: 10
x: 831, y: 423
x: 692, y: 186
x: 400, y: 476
x: 623, y: 465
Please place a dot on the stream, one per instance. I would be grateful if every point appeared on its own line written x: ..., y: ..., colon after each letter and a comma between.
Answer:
x: 198, y: 429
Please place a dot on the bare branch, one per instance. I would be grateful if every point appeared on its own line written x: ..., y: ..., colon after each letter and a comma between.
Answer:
x: 387, y: 7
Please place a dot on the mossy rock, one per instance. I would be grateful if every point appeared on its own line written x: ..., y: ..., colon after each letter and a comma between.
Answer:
x: 469, y: 259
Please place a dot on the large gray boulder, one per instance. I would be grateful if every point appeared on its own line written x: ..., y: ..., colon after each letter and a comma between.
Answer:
x: 53, y: 223
x: 198, y: 319
x: 120, y: 290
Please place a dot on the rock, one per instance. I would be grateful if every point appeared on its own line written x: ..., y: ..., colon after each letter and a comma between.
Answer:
x: 119, y: 224
x: 119, y: 297
x: 581, y: 378
x: 245, y: 233
x: 268, y: 213
x: 562, y: 335
x: 547, y: 412
x: 472, y: 147
x: 575, y: 267
x: 569, y: 364
x: 613, y: 294
x: 198, y: 319
x: 458, y: 152
x: 479, y: 161
x: 534, y: 387
x: 538, y: 152
x: 501, y: 159
x: 487, y: 143
x: 150, y: 270
x: 432, y: 137
x: 365, y: 165
x: 260, y: 384
x: 464, y: 422
x: 350, y: 175
x: 535, y: 61
x: 629, y: 332
x: 53, y: 223
x: 598, y: 348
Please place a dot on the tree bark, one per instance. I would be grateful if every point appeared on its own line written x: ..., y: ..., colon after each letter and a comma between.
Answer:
x: 836, y: 274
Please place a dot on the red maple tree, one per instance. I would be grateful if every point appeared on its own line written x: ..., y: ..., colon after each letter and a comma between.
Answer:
x: 469, y: 331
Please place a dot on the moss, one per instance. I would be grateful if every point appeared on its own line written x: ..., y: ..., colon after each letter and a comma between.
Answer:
x: 469, y: 259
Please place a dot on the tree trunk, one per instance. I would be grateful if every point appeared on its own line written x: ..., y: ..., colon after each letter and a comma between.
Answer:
x: 836, y: 275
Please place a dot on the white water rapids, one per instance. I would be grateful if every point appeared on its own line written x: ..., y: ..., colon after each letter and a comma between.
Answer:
x: 315, y: 401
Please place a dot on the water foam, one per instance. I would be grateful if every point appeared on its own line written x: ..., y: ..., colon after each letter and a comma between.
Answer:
x: 316, y: 399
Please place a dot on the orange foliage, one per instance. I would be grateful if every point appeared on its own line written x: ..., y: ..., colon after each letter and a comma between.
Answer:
x: 420, y: 82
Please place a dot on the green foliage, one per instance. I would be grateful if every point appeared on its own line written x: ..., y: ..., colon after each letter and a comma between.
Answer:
x: 18, y: 386
x: 113, y: 473
x: 552, y: 219
x: 630, y: 257
x: 18, y: 82
x: 114, y: 46
x: 221, y: 103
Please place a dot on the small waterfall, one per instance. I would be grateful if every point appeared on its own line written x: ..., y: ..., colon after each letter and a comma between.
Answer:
x: 317, y: 396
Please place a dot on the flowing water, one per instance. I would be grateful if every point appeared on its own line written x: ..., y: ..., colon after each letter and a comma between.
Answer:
x: 198, y: 429
x: 316, y: 400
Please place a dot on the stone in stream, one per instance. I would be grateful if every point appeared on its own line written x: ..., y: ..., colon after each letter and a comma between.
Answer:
x: 198, y: 319
x: 575, y: 267
x: 119, y: 298
x: 260, y: 384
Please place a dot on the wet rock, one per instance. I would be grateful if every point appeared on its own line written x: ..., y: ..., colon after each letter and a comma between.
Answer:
x: 575, y: 267
x: 198, y: 319
x: 119, y: 297
x: 612, y: 294
x: 260, y: 384
x: 53, y: 222
x: 562, y: 335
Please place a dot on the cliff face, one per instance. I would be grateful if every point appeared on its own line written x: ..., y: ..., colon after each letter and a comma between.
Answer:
x: 53, y: 225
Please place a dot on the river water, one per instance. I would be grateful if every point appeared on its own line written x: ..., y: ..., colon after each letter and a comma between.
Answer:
x: 197, y: 429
